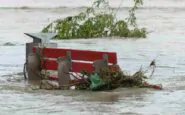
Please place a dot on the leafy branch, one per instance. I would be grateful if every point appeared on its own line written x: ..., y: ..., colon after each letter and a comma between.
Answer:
x: 94, y: 23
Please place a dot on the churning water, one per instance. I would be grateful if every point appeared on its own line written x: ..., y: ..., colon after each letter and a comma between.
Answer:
x: 164, y: 20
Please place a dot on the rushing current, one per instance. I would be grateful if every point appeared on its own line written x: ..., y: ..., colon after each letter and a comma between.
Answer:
x: 164, y: 20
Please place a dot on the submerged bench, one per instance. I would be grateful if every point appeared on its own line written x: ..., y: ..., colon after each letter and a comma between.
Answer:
x: 73, y: 60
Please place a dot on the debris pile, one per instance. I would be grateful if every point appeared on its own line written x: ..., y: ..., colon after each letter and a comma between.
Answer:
x: 106, y: 79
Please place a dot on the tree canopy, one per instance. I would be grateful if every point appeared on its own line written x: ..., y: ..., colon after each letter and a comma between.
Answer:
x: 98, y: 21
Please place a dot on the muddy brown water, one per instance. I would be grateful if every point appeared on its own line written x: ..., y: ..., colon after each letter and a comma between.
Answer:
x: 165, y: 43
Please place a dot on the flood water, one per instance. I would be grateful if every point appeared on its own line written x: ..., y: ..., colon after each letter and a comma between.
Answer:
x: 164, y: 20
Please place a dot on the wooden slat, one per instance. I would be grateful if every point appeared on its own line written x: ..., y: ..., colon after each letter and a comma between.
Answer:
x: 84, y: 55
x: 112, y: 68
x: 76, y: 66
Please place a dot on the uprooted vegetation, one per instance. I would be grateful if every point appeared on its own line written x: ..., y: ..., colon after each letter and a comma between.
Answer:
x: 106, y: 79
x: 110, y: 79
x: 95, y: 23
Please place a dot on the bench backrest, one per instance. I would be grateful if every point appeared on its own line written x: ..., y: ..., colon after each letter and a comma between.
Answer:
x: 81, y: 59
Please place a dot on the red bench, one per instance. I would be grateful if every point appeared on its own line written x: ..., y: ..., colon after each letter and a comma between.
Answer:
x: 80, y: 59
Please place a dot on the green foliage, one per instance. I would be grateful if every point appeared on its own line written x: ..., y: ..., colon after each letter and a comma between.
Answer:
x: 132, y: 18
x: 136, y: 32
x: 93, y: 24
x: 108, y: 80
x: 120, y: 28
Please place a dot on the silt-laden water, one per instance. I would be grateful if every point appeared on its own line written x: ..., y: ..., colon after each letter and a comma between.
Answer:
x: 165, y: 43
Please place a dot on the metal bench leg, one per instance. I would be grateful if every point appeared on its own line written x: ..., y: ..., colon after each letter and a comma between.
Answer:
x: 101, y: 64
x: 64, y: 67
x: 33, y: 69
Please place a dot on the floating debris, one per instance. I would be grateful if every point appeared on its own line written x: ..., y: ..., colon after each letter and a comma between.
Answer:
x: 9, y: 44
x: 107, y: 79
